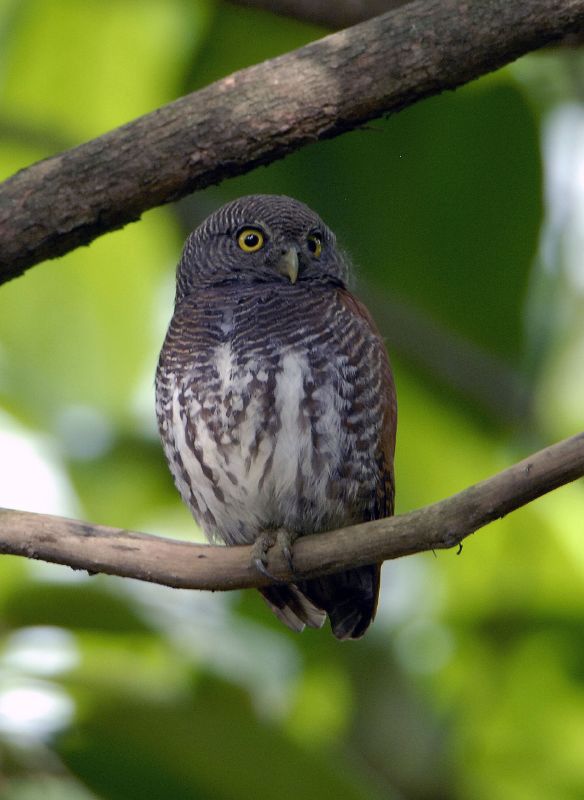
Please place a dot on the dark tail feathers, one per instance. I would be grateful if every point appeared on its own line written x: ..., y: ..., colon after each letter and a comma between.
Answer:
x: 349, y: 599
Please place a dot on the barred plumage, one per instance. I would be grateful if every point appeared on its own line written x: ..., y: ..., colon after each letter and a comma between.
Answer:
x: 275, y: 399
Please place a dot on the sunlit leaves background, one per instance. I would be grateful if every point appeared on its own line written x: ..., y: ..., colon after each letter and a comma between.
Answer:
x: 465, y: 218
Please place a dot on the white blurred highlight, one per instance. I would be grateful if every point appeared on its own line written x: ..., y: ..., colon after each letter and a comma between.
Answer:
x: 32, y: 477
x: 41, y: 650
x: 33, y: 709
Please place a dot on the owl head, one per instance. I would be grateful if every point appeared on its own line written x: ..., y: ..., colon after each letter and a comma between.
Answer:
x: 260, y: 239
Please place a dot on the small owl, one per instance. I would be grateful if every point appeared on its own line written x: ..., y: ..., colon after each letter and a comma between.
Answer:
x: 275, y: 399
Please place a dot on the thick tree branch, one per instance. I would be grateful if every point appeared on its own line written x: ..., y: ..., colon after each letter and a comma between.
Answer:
x: 190, y: 566
x: 262, y: 113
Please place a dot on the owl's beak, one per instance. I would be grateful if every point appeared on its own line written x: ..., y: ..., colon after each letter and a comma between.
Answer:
x: 288, y: 264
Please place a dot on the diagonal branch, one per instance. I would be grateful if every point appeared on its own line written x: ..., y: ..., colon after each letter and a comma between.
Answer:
x: 263, y: 113
x: 190, y: 566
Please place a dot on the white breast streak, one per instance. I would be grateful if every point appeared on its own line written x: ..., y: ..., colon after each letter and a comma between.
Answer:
x: 292, y: 443
x: 293, y: 452
x: 224, y: 363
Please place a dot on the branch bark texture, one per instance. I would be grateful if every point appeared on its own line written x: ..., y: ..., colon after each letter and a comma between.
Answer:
x: 190, y: 566
x: 262, y: 113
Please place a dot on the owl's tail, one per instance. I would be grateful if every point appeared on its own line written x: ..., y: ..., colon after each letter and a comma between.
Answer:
x: 292, y: 607
x: 349, y: 599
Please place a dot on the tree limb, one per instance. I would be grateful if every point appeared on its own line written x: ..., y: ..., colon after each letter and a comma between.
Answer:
x: 264, y: 112
x: 191, y: 566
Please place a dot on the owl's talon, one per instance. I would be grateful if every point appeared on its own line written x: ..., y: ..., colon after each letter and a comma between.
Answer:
x: 259, y: 553
x: 286, y: 541
x: 262, y: 569
x: 288, y: 556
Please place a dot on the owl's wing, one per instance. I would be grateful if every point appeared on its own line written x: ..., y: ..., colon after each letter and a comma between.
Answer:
x: 384, y: 406
x: 350, y: 598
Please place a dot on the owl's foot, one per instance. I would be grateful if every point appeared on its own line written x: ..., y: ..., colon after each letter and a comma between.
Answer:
x: 286, y: 541
x: 265, y: 541
x: 259, y: 552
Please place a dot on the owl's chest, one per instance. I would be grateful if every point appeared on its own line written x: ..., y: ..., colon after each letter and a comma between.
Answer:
x: 260, y: 435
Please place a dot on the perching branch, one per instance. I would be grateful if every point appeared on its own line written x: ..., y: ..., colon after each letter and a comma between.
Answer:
x: 190, y: 566
x: 263, y: 113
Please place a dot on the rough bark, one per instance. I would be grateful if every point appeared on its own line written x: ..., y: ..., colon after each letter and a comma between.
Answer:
x: 262, y: 113
x: 189, y: 566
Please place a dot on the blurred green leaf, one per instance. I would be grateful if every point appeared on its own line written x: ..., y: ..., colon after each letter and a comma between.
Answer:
x: 128, y: 483
x: 45, y: 788
x: 76, y: 606
x: 212, y: 747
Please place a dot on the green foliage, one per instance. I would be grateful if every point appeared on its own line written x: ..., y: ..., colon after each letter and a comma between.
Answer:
x: 470, y: 684
x: 177, y: 756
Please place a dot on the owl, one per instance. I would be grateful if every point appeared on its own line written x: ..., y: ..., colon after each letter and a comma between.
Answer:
x: 275, y: 399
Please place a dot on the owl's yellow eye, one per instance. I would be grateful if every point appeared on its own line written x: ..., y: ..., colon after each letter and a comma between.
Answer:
x: 250, y: 240
x: 314, y: 244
